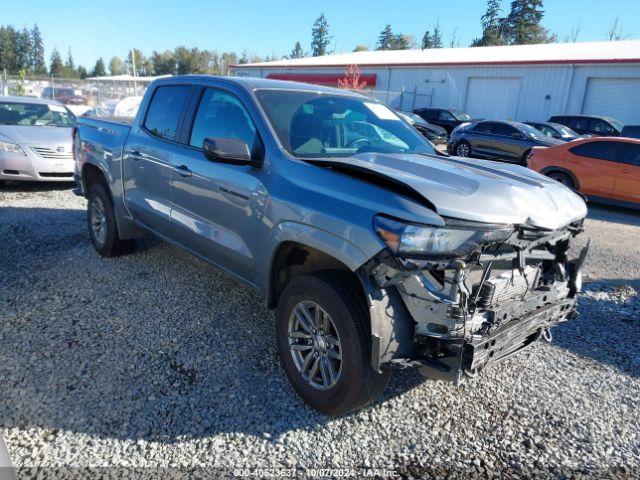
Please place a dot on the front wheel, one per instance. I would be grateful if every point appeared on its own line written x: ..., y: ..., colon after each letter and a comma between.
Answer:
x: 323, y: 343
x: 103, y: 229
x: 562, y: 178
x: 463, y: 149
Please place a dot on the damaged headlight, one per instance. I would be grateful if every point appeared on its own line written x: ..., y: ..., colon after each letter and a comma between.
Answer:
x: 434, y: 243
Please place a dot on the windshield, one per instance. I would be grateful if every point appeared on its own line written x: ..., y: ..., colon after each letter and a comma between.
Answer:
x: 459, y: 115
x: 529, y: 131
x: 35, y: 115
x: 565, y: 131
x: 616, y: 124
x: 320, y: 125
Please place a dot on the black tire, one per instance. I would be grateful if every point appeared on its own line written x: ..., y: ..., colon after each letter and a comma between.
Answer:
x: 357, y: 384
x: 460, y: 147
x: 2, y: 183
x: 562, y: 178
x: 109, y: 244
x: 523, y: 160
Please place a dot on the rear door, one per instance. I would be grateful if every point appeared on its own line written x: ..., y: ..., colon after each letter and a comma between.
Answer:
x: 216, y: 206
x: 508, y: 142
x: 595, y: 164
x: 481, y: 139
x: 627, y: 184
x: 147, y: 158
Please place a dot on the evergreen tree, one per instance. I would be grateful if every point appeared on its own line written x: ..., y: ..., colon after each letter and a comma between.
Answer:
x: 320, y: 37
x: 69, y: 65
x: 296, y: 52
x: 493, y: 26
x: 436, y: 38
x: 400, y: 42
x: 427, y: 40
x: 38, y: 64
x: 99, y: 70
x: 244, y: 57
x: 56, y: 67
x: 23, y: 50
x: 386, y: 39
x: 523, y: 25
x: 115, y: 66
x: 82, y: 72
x: 8, y: 49
x: 361, y: 48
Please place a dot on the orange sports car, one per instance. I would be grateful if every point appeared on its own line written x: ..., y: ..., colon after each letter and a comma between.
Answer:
x: 605, y: 169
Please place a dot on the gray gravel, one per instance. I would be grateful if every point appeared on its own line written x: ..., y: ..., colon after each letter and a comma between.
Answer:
x: 159, y: 360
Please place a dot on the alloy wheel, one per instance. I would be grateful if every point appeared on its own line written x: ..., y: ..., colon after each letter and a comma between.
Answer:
x: 98, y: 220
x: 314, y: 345
x: 462, y: 150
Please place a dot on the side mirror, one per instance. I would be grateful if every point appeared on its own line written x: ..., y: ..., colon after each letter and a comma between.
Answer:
x: 229, y: 150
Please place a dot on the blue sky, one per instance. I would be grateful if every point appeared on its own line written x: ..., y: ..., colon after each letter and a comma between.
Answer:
x: 93, y: 29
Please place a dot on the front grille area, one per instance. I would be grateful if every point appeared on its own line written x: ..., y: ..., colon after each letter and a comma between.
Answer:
x: 53, y: 153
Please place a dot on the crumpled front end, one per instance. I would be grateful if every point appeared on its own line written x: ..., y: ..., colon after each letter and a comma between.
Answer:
x: 456, y: 317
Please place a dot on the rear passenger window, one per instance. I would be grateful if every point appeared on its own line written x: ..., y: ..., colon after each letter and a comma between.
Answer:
x: 483, y: 127
x: 221, y: 115
x: 599, y: 150
x: 631, y: 154
x: 165, y: 109
x: 504, y: 130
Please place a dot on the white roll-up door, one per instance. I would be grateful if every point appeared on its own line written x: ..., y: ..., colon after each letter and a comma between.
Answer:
x: 493, y: 98
x: 618, y: 98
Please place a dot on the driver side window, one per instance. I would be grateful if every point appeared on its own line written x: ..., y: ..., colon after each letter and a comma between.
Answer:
x: 446, y: 116
x: 222, y: 115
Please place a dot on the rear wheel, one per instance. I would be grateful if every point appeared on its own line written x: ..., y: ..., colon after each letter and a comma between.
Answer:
x: 562, y: 178
x: 324, y: 344
x: 103, y: 229
x: 2, y: 183
x: 463, y: 149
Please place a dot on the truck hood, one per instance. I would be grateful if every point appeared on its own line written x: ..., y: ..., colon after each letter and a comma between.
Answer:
x: 477, y: 190
x: 31, y: 135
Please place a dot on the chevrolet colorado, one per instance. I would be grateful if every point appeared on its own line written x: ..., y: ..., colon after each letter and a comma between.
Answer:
x: 374, y: 251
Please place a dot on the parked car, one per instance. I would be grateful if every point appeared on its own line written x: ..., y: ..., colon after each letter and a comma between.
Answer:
x: 66, y: 95
x: 605, y: 169
x: 589, y: 124
x: 374, y: 250
x: 555, y: 130
x: 444, y: 117
x: 433, y: 133
x: 504, y: 141
x: 35, y: 140
x: 630, y: 131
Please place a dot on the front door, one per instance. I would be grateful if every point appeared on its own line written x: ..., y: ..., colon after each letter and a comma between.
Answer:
x: 627, y: 184
x: 217, y: 207
x: 147, y: 168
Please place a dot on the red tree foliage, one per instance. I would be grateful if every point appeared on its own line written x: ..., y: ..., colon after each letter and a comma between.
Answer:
x: 351, y: 79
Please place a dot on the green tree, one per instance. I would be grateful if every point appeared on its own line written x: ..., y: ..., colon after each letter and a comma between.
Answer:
x: 436, y: 38
x: 115, y: 66
x: 38, y: 64
x: 427, y: 40
x: 244, y: 57
x: 99, y: 70
x: 82, y: 72
x: 386, y: 39
x: 56, y: 67
x: 297, y: 51
x: 143, y: 65
x: 493, y: 26
x: 187, y: 60
x: 320, y: 37
x: 69, y: 65
x: 163, y: 63
x: 23, y: 50
x: 361, y: 48
x: 8, y: 49
x: 523, y: 24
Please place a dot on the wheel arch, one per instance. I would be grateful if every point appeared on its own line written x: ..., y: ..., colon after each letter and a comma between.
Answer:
x: 556, y: 169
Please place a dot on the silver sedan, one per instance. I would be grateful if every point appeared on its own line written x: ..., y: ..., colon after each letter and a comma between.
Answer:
x: 35, y: 140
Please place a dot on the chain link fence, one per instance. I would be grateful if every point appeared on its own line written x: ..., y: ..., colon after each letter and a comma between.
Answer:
x: 79, y: 95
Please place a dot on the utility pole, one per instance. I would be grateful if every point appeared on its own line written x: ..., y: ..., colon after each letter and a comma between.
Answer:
x: 133, y: 64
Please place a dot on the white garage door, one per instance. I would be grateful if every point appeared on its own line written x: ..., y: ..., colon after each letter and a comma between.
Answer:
x: 618, y: 98
x: 493, y: 98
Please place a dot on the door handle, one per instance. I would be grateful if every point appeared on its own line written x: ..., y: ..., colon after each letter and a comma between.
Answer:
x: 182, y: 170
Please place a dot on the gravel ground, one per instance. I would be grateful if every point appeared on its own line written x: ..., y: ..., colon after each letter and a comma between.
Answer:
x: 158, y: 360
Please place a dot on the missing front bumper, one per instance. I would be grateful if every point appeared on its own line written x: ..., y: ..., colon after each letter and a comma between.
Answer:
x: 475, y: 355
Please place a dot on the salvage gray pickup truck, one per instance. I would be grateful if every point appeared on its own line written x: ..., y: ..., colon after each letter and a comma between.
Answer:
x: 375, y: 251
